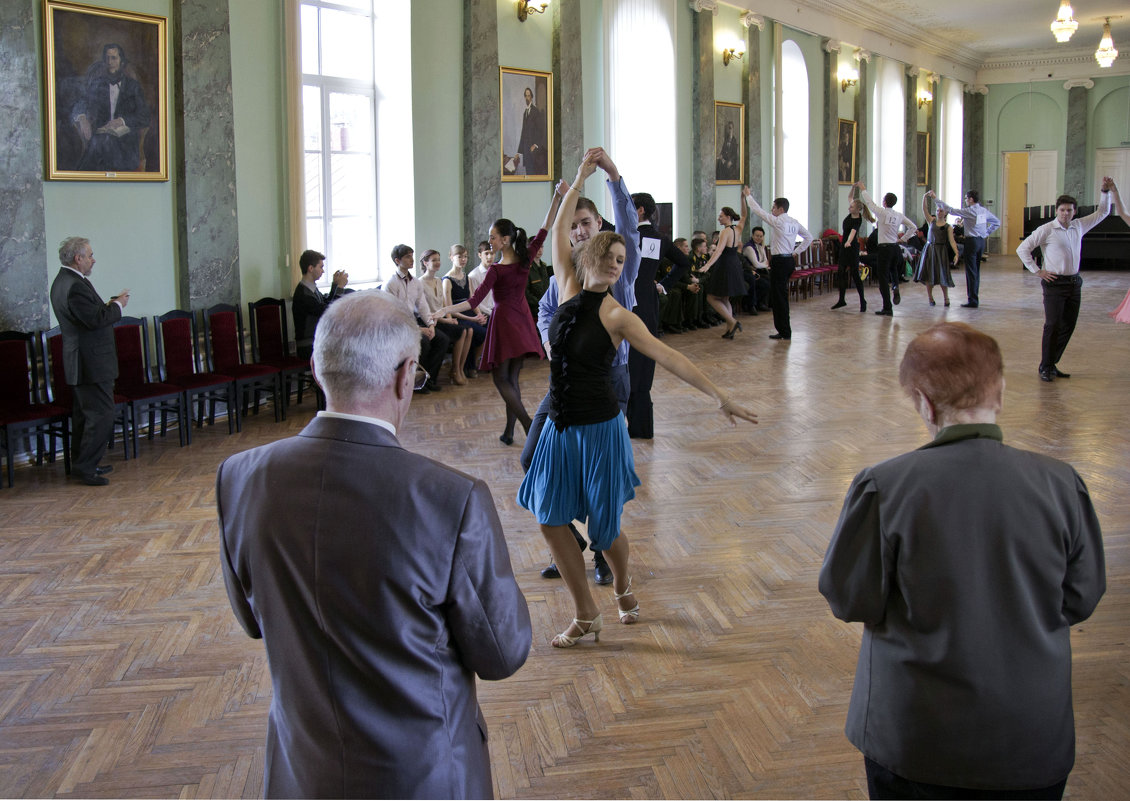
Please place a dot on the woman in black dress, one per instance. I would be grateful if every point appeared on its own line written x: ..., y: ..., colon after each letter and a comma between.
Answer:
x: 849, y: 251
x: 725, y: 279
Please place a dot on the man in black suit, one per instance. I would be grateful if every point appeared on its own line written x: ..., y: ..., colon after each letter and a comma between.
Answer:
x: 90, y: 358
x: 309, y: 303
x: 533, y: 144
x: 377, y: 607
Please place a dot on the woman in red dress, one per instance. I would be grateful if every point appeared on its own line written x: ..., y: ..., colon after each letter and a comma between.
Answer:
x: 511, y: 333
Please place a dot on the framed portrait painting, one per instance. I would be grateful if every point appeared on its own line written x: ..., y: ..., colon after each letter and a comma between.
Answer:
x: 922, y: 156
x: 729, y: 142
x: 106, y: 78
x: 525, y: 99
x: 845, y: 152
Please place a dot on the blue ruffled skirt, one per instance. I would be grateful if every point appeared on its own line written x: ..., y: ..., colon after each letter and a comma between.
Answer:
x: 582, y: 473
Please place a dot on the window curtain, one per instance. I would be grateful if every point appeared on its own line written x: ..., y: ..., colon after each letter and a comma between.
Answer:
x: 295, y: 178
x: 639, y: 109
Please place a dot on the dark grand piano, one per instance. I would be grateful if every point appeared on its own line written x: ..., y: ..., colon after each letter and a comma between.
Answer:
x: 1105, y: 247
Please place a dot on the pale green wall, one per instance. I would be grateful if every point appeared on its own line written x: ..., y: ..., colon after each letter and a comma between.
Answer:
x: 1108, y: 122
x: 131, y: 226
x: 592, y: 91
x: 437, y: 123
x: 260, y: 111
x: 728, y: 89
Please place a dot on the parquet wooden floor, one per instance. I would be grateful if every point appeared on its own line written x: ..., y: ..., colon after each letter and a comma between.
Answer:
x: 123, y: 672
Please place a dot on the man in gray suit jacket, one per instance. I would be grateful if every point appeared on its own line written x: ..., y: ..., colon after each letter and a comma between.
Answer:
x: 967, y: 561
x: 379, y: 580
x: 90, y: 357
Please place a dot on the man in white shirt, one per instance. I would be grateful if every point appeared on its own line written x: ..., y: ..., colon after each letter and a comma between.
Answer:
x: 433, y: 343
x: 979, y: 223
x: 887, y: 224
x: 1060, y: 242
x: 476, y: 276
x: 782, y: 261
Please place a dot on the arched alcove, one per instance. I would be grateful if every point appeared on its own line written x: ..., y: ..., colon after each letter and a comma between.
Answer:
x: 1031, y: 118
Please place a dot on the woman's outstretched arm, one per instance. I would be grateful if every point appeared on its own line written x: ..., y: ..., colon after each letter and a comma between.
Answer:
x: 562, y: 248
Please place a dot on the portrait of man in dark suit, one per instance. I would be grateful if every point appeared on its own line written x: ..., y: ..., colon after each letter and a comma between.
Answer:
x: 90, y: 357
x: 110, y: 115
x: 378, y: 579
x: 527, y: 120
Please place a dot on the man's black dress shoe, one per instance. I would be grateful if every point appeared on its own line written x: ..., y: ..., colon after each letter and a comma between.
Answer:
x: 551, y: 572
x: 898, y: 297
x: 886, y: 312
x: 839, y: 304
x: 779, y: 336
x: 505, y: 440
x: 602, y: 573
x: 1047, y: 375
x: 433, y: 386
x: 1060, y: 374
x: 969, y: 305
x: 94, y: 480
x: 103, y: 469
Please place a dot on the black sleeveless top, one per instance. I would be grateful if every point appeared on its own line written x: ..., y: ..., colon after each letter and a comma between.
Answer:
x: 580, y: 367
x: 850, y: 224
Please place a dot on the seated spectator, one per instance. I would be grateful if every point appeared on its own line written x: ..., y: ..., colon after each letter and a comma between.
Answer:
x: 309, y: 303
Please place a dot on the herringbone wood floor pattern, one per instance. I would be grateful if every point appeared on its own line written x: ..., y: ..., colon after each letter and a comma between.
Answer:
x: 123, y: 672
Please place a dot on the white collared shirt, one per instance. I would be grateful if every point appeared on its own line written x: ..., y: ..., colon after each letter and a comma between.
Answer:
x: 360, y: 418
x: 1061, y: 246
x: 785, y: 231
x: 887, y: 221
x: 409, y: 290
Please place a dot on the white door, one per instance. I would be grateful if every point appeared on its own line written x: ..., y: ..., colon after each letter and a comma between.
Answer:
x: 1043, y: 179
x: 1115, y: 162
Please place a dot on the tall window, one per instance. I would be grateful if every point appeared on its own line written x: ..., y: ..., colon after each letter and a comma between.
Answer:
x: 794, y: 126
x: 640, y: 97
x: 338, y: 135
x: 950, y: 129
x: 889, y: 142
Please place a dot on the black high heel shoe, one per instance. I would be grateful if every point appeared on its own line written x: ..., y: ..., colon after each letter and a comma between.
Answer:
x: 505, y: 440
x: 730, y: 334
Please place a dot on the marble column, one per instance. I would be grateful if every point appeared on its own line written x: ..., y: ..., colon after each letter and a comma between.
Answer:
x: 862, y: 118
x: 831, y: 196
x: 910, y: 154
x: 569, y: 116
x: 482, y: 179
x: 1075, y: 154
x: 751, y: 97
x: 207, y: 230
x: 933, y: 157
x: 703, y: 213
x: 973, y: 140
x: 25, y: 268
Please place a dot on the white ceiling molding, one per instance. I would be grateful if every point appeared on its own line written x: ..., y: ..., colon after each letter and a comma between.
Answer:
x: 750, y: 19
x: 705, y: 5
x: 862, y: 55
x: 938, y: 38
x: 1086, y: 83
x: 831, y: 46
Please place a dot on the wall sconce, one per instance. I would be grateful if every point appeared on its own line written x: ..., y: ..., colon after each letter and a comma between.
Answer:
x: 525, y: 8
x: 924, y: 97
x: 1106, y: 54
x: 731, y: 52
x: 848, y: 77
x: 1064, y: 24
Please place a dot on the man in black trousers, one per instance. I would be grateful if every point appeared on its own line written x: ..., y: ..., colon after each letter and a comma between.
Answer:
x: 90, y: 357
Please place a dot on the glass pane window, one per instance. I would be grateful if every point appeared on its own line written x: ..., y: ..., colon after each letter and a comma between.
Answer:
x: 347, y: 45
x: 311, y: 118
x: 351, y: 122
x: 313, y: 184
x: 351, y: 191
x: 308, y: 37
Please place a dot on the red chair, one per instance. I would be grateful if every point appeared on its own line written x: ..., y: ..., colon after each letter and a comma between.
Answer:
x: 178, y: 358
x: 60, y: 393
x: 131, y: 335
x: 21, y: 412
x: 223, y: 334
x: 270, y: 340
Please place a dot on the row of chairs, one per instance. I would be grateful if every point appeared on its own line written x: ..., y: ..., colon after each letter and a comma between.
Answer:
x: 815, y: 268
x: 36, y: 405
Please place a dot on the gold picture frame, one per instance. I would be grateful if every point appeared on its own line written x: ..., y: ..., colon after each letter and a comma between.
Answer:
x: 525, y: 118
x: 845, y: 151
x: 106, y: 79
x: 922, y: 154
x: 729, y: 143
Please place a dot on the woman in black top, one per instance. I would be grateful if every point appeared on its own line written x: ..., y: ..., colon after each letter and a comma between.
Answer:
x: 582, y: 468
x: 849, y: 252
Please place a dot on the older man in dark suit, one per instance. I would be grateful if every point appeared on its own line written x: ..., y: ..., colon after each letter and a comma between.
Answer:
x: 967, y: 562
x: 379, y: 580
x: 90, y: 358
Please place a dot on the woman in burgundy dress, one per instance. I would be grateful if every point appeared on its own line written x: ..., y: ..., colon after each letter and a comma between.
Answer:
x: 511, y: 333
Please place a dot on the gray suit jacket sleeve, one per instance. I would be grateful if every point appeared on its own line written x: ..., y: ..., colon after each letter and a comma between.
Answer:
x: 1085, y: 581
x: 855, y: 578
x: 488, y: 616
x: 239, y: 604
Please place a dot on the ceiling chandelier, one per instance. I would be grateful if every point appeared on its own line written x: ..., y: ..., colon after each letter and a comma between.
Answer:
x: 1106, y: 54
x: 1064, y: 25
